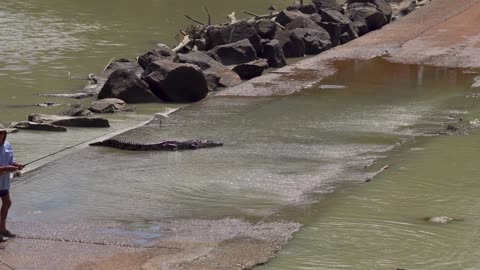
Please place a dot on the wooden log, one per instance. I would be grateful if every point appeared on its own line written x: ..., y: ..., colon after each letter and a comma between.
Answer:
x: 194, y: 20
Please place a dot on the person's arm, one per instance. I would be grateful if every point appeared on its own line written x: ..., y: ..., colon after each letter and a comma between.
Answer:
x: 8, y: 169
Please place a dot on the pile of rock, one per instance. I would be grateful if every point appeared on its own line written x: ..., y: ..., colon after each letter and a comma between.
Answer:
x: 222, y: 55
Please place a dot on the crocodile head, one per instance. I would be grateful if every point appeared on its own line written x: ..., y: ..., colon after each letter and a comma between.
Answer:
x: 208, y: 144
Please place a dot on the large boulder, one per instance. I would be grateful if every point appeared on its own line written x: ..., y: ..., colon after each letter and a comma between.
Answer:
x: 292, y: 45
x: 220, y: 35
x: 251, y: 70
x: 266, y: 29
x: 211, y: 69
x: 124, y: 64
x: 125, y: 85
x: 273, y: 52
x: 346, y: 25
x: 67, y: 121
x: 303, y: 22
x: 366, y: 17
x: 163, y: 52
x: 316, y: 41
x: 285, y: 17
x: 176, y: 82
x: 305, y: 9
x: 381, y: 5
x: 236, y: 53
x: 334, y: 30
x: 108, y: 105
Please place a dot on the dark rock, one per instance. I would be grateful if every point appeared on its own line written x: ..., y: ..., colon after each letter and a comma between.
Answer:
x: 302, y: 22
x: 316, y: 18
x: 236, y: 53
x: 251, y: 70
x: 37, y: 126
x: 220, y: 35
x: 316, y: 41
x: 334, y: 30
x: 227, y: 77
x: 292, y: 45
x: 366, y: 17
x: 346, y: 25
x: 124, y: 64
x: 78, y: 110
x: 213, y: 80
x: 273, y: 52
x: 305, y: 9
x: 163, y: 52
x: 266, y: 29
x: 176, y: 82
x: 381, y: 5
x: 125, y: 85
x: 67, y: 121
x: 325, y: 4
x: 108, y: 105
x: 285, y: 16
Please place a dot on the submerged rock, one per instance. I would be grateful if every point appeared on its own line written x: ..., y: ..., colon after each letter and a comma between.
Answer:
x: 27, y: 125
x: 78, y: 110
x: 67, y: 121
x: 176, y: 82
x: 252, y: 69
x: 442, y: 219
x: 125, y: 85
x: 108, y: 105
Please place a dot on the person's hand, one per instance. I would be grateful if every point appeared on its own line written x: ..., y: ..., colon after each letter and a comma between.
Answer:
x: 19, y: 166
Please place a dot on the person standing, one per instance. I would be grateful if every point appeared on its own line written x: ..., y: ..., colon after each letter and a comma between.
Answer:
x: 8, y: 165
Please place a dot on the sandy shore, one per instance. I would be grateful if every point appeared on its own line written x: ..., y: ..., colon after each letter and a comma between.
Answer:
x: 443, y: 33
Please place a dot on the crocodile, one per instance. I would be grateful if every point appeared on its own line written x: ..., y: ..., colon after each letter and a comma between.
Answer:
x: 164, y: 145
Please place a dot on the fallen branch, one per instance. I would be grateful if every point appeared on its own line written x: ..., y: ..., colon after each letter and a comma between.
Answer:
x: 109, y: 62
x: 257, y: 17
x: 195, y: 20
x: 208, y: 14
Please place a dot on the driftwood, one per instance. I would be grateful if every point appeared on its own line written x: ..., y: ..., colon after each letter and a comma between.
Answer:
x: 186, y: 40
x: 109, y: 62
x: 208, y: 15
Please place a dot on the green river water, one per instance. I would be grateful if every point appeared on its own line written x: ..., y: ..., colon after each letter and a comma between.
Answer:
x: 300, y: 158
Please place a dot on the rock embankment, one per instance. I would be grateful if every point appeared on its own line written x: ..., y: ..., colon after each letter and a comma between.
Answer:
x: 212, y: 56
